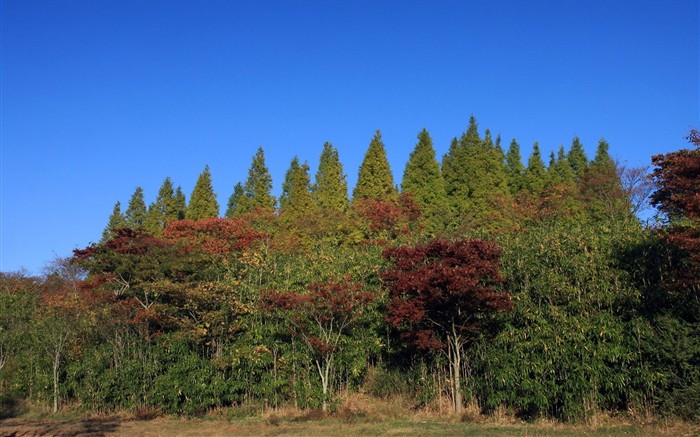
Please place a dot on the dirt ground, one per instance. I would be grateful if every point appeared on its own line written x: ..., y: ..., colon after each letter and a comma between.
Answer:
x: 326, y: 428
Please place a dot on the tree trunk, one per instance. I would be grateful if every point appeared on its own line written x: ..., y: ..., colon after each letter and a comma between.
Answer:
x: 456, y: 371
x: 56, y: 362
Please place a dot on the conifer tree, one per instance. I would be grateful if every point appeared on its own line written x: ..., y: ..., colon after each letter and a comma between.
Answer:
x: 374, y: 180
x: 331, y: 188
x: 577, y: 158
x: 562, y: 167
x: 602, y: 188
x: 258, y: 187
x: 163, y: 210
x: 136, y: 212
x: 296, y: 199
x: 423, y: 179
x: 234, y: 200
x: 203, y: 202
x: 180, y: 203
x: 458, y: 171
x: 515, y: 171
x: 116, y: 221
x: 536, y: 172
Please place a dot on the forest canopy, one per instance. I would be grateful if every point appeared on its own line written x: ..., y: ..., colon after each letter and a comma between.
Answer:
x: 482, y: 278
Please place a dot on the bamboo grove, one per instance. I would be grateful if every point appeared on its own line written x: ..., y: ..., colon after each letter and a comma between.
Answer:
x: 481, y: 279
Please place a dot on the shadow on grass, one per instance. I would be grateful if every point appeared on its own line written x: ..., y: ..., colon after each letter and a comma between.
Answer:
x: 10, y: 407
x: 70, y: 428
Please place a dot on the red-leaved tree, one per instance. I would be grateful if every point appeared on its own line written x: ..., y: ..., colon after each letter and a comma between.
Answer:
x: 441, y: 293
x: 321, y: 318
x: 677, y: 178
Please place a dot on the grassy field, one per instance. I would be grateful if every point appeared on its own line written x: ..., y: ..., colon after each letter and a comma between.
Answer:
x: 356, y: 415
x: 327, y: 427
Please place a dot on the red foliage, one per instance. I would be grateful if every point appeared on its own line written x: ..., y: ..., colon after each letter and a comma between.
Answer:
x: 392, y: 217
x: 441, y: 286
x: 320, y: 316
x: 215, y: 235
x: 677, y: 177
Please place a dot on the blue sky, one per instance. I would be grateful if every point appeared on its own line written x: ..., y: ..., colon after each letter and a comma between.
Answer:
x: 99, y: 97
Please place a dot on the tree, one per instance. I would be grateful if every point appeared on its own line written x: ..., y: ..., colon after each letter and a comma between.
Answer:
x: 163, y: 210
x: 577, y: 158
x: 441, y: 294
x: 457, y: 171
x: 374, y: 180
x: 323, y: 319
x: 257, y: 188
x: 602, y: 189
x: 296, y: 198
x: 180, y: 203
x: 116, y: 221
x: 203, y: 202
x: 135, y: 214
x: 423, y: 179
x: 234, y: 200
x: 515, y: 171
x: 535, y: 173
x: 331, y: 189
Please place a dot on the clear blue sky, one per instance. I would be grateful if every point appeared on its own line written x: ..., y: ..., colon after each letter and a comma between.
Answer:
x: 101, y: 96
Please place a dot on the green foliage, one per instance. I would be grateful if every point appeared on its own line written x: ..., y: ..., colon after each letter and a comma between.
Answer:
x: 180, y: 203
x: 234, y: 200
x: 577, y: 158
x: 203, y: 202
x: 535, y: 174
x: 375, y: 180
x: 423, y: 179
x: 135, y: 215
x: 164, y: 209
x: 330, y: 189
x: 296, y: 199
x: 257, y: 188
x: 515, y: 171
x: 116, y: 221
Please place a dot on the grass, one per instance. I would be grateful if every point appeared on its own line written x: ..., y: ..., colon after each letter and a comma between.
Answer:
x: 356, y: 415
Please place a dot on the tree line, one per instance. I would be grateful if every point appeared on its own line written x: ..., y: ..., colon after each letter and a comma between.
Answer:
x: 531, y: 288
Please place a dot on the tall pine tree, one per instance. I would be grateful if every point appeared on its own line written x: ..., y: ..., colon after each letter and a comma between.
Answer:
x: 116, y: 221
x: 296, y: 199
x: 180, y: 203
x: 163, y: 210
x: 203, y: 202
x: 234, y: 200
x: 423, y: 179
x: 331, y: 188
x: 258, y: 187
x: 515, y: 171
x: 535, y: 175
x: 374, y: 180
x: 136, y: 212
x: 577, y: 158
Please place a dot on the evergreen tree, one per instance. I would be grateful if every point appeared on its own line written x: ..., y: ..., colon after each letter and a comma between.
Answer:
x: 536, y: 172
x: 116, y: 221
x: 234, y: 200
x: 565, y: 173
x: 423, y: 179
x: 331, y: 189
x: 374, y: 180
x: 163, y: 210
x: 258, y: 187
x: 577, y: 158
x: 203, y: 202
x: 515, y: 171
x: 296, y: 199
x: 180, y: 204
x: 457, y: 169
x: 135, y: 214
x: 602, y: 188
